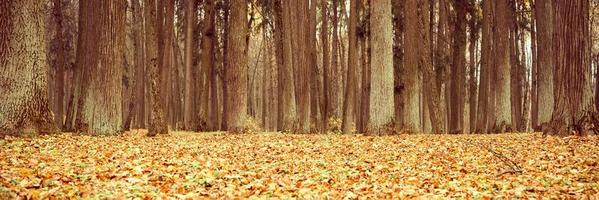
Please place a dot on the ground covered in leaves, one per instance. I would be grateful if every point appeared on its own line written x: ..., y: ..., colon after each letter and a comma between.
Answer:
x: 191, y: 165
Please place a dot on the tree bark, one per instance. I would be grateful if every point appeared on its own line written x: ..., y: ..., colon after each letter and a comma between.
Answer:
x: 101, y: 110
x: 349, y: 100
x: 458, y: 69
x: 381, y: 97
x: 158, y: 124
x: 324, y: 36
x: 503, y: 107
x: 24, y: 106
x: 236, y: 77
x: 412, y: 90
x: 544, y: 13
x: 573, y: 99
x: 431, y: 90
x: 190, y: 17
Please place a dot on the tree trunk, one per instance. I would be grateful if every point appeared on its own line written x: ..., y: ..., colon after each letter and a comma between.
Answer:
x: 431, y: 90
x: 381, y: 97
x: 398, y: 59
x: 474, y: 35
x: 349, y: 100
x: 573, y: 102
x: 324, y: 37
x: 140, y: 72
x: 486, y: 69
x: 61, y: 62
x: 190, y: 16
x: 544, y: 12
x: 236, y: 76
x: 458, y: 69
x: 158, y: 123
x: 101, y: 109
x: 412, y: 100
x: 24, y: 106
x: 503, y: 107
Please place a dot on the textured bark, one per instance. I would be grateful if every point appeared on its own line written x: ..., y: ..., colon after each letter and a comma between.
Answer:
x: 313, y: 70
x: 503, y: 107
x: 544, y: 13
x: 573, y: 99
x: 287, y: 109
x: 303, y: 68
x: 236, y: 77
x: 381, y: 97
x: 101, y: 109
x: 324, y: 37
x: 23, y: 82
x: 334, y: 73
x: 353, y: 59
x: 534, y: 113
x: 412, y: 90
x: 458, y: 69
x: 431, y: 90
x: 157, y: 124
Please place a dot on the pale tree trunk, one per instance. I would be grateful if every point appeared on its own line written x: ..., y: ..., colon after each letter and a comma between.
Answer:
x: 324, y: 37
x: 157, y: 123
x: 101, y: 109
x: 236, y: 76
x: 572, y: 91
x: 503, y: 107
x: 431, y: 90
x: 412, y: 92
x: 353, y: 59
x: 381, y: 97
x: 24, y: 81
x: 544, y: 13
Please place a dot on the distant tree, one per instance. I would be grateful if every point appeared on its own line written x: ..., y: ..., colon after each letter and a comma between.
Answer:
x: 24, y: 81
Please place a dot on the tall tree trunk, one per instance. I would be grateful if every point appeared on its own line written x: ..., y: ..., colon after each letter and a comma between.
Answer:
x: 140, y: 72
x: 534, y: 71
x: 349, y: 100
x: 431, y: 89
x: 302, y: 76
x: 61, y: 62
x: 544, y: 13
x: 158, y: 124
x: 503, y: 107
x: 24, y: 106
x: 313, y: 70
x: 474, y: 35
x: 236, y: 76
x: 324, y: 37
x: 205, y: 120
x: 286, y: 107
x: 486, y: 69
x: 573, y: 99
x: 101, y: 109
x: 458, y: 69
x: 334, y: 68
x: 381, y: 97
x: 442, y: 60
x: 190, y: 18
x: 412, y: 100
x: 398, y: 59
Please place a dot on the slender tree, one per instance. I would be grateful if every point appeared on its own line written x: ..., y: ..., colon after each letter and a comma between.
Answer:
x: 544, y: 13
x: 412, y: 122
x: 350, y: 95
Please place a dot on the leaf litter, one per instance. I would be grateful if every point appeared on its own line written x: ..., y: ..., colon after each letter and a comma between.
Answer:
x: 186, y: 165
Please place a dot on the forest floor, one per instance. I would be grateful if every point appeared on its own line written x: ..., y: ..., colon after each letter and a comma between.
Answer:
x: 211, y: 165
